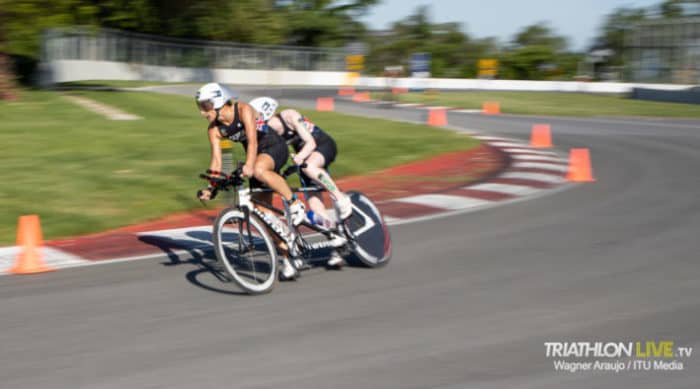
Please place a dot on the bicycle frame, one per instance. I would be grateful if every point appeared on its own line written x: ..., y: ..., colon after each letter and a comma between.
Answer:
x: 362, y: 237
x: 298, y: 246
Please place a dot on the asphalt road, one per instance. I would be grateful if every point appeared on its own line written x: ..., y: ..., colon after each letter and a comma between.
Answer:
x: 467, y: 301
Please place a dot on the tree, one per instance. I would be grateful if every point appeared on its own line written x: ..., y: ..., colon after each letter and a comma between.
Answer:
x: 540, y: 35
x: 452, y: 52
x: 671, y: 8
x: 23, y: 21
x: 612, y: 35
x: 323, y: 22
x: 537, y: 53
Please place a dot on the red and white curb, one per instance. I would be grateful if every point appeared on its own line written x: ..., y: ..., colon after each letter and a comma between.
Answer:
x: 53, y: 257
x: 531, y: 172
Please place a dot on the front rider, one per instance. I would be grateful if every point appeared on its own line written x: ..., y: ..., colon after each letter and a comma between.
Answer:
x: 266, y: 152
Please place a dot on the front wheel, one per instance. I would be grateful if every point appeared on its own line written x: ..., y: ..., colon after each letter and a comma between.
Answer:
x: 370, y: 239
x: 246, y: 250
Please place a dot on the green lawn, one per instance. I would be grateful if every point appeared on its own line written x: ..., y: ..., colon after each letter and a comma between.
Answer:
x: 553, y: 104
x: 83, y: 173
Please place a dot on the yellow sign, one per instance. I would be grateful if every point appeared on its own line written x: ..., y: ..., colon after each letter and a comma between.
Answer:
x: 354, y: 63
x: 351, y: 78
x: 226, y: 144
x: 488, y: 67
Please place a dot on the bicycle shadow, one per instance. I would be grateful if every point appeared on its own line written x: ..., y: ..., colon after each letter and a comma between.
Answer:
x: 198, y: 252
x: 195, y: 248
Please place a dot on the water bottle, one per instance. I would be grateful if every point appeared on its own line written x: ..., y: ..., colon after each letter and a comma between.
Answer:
x: 318, y: 219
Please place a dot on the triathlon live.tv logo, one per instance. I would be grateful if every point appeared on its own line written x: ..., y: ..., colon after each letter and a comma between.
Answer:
x: 617, y: 356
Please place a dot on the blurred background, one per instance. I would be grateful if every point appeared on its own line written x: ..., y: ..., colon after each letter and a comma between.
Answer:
x: 639, y: 41
x: 78, y: 71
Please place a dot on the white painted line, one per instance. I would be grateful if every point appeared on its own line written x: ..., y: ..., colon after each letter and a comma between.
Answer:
x: 407, y: 105
x: 391, y: 219
x: 466, y: 110
x: 524, y: 157
x: 494, y: 138
x: 537, y: 165
x: 528, y: 150
x: 52, y: 257
x: 444, y: 201
x: 199, y: 234
x: 507, y: 144
x: 436, y: 107
x: 105, y: 110
x: 516, y: 190
x: 548, y: 178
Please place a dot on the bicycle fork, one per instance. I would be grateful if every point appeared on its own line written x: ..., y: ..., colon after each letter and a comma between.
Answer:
x: 247, y: 243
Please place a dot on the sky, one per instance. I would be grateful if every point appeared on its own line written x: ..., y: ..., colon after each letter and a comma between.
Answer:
x: 578, y: 20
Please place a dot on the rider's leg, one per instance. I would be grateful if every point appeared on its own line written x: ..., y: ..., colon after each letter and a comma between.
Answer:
x: 264, y: 171
x: 287, y: 271
x: 266, y: 197
x: 314, y: 169
x: 316, y: 204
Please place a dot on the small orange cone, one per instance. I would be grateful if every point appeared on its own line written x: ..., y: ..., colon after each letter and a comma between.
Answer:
x: 437, y: 117
x: 491, y: 108
x: 580, y: 166
x: 346, y: 91
x: 397, y: 91
x: 361, y: 97
x: 541, y: 136
x: 325, y: 104
x: 29, y: 239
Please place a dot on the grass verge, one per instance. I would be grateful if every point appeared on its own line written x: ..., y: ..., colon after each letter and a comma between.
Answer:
x: 551, y: 103
x: 83, y: 173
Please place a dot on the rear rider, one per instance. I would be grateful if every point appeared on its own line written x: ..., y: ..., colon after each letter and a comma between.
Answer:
x: 314, y: 148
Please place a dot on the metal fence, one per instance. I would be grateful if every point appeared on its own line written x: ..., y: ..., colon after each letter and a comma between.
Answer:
x: 119, y: 46
x: 665, y: 51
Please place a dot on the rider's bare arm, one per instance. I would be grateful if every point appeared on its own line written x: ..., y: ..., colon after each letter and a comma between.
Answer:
x: 303, y: 127
x: 248, y: 119
x: 215, y: 141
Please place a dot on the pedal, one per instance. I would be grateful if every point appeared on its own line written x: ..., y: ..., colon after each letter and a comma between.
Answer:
x: 300, y: 264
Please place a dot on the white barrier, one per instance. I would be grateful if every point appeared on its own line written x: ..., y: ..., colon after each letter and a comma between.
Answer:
x: 514, y: 85
x: 81, y: 70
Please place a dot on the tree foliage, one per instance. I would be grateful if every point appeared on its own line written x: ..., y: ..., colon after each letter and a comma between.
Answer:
x: 535, y: 52
x: 616, y: 25
x: 623, y: 20
x: 303, y: 22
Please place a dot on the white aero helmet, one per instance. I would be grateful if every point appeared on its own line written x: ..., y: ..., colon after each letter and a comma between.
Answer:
x: 265, y: 105
x: 213, y: 96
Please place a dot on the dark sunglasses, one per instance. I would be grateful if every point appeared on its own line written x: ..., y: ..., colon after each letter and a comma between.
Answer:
x: 205, y: 105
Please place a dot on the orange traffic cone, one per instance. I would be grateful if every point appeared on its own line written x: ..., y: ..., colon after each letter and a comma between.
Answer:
x: 346, y: 91
x: 29, y: 239
x: 325, y: 104
x: 361, y: 97
x: 491, y: 108
x: 437, y: 117
x: 580, y: 166
x: 397, y: 91
x: 541, y: 136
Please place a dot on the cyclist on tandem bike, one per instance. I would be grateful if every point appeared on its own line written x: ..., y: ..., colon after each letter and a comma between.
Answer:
x: 315, y: 150
x: 266, y: 152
